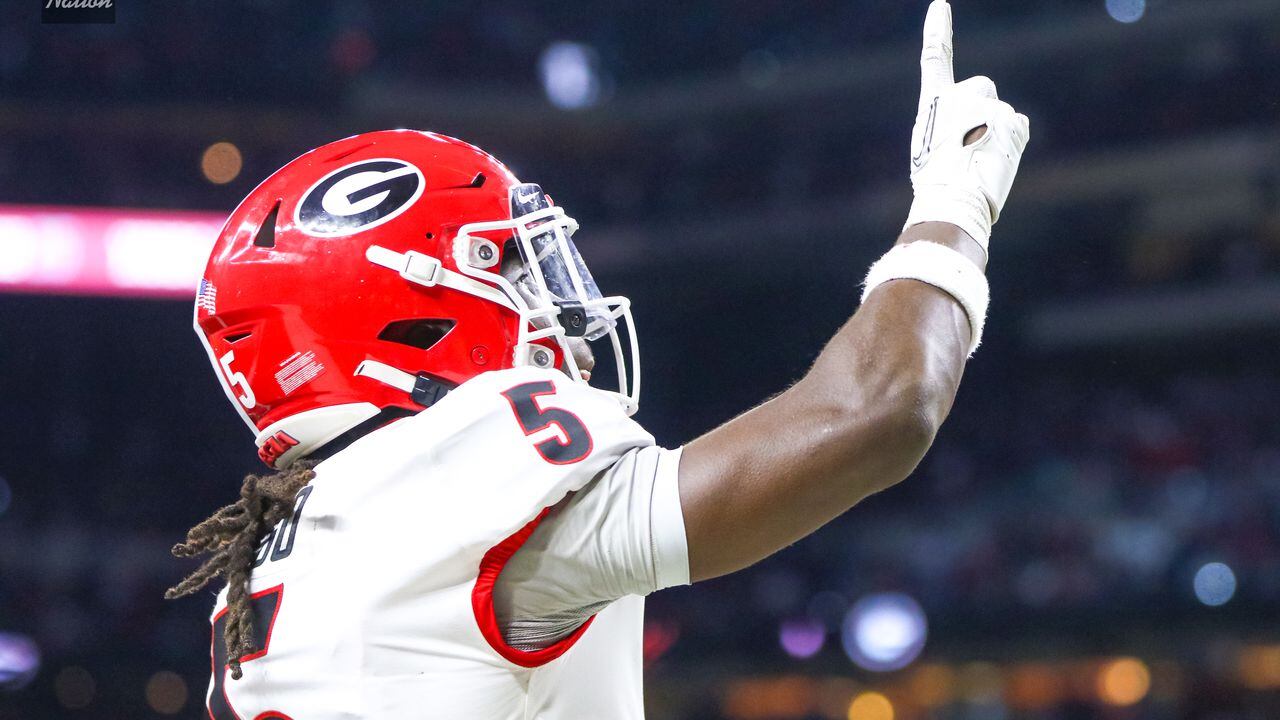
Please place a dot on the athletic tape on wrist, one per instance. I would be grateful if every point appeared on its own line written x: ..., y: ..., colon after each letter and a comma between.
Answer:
x: 943, y: 268
x: 969, y: 211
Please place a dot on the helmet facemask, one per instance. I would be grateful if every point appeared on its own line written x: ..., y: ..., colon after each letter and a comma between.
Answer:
x: 553, y: 291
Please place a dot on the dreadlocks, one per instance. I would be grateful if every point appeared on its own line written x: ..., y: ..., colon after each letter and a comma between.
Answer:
x: 230, y: 537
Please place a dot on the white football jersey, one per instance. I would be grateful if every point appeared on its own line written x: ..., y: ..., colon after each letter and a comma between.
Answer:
x: 375, y: 599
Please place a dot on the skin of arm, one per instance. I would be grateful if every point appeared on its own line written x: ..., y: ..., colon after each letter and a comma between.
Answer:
x: 858, y: 422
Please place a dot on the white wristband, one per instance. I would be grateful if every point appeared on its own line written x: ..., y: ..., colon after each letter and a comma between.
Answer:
x: 943, y: 268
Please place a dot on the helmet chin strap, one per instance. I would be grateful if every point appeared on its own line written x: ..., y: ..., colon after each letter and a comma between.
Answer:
x: 306, y: 433
x: 387, y: 375
x: 424, y: 390
x: 428, y: 271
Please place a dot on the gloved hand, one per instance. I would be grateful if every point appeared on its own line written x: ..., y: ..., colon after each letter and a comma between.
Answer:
x: 965, y: 185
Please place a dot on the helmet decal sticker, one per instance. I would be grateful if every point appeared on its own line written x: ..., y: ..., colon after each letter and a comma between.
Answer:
x: 207, y: 297
x: 359, y: 196
x: 297, y: 370
x: 276, y: 446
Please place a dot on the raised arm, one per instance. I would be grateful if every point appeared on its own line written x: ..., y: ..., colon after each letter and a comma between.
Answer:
x: 866, y: 413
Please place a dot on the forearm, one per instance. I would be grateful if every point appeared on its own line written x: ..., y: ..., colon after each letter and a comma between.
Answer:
x: 864, y: 416
x: 859, y: 421
x: 903, y: 354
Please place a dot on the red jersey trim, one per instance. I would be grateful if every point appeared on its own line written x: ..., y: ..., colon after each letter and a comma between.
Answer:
x: 482, y: 603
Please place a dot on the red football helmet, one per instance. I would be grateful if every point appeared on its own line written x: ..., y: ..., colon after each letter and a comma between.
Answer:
x: 367, y: 277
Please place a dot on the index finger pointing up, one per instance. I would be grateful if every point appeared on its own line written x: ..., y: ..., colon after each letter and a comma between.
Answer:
x: 935, y: 60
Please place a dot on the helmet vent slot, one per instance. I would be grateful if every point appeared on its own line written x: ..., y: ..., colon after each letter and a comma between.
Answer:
x: 266, y: 236
x: 233, y: 339
x: 477, y: 181
x: 420, y: 333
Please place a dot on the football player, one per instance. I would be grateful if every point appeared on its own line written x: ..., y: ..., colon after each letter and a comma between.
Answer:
x: 459, y: 525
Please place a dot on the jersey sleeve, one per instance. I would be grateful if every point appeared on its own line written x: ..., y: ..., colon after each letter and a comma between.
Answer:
x: 622, y: 534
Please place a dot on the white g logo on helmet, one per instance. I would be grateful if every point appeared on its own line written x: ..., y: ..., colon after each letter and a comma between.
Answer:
x: 359, y: 196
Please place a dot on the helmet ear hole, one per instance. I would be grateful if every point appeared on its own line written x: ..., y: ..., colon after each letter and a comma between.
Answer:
x: 421, y: 333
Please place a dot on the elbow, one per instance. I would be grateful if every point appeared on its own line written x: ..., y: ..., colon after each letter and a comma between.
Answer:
x: 907, y: 423
x: 916, y: 417
x: 880, y: 430
x: 917, y: 399
x: 930, y: 403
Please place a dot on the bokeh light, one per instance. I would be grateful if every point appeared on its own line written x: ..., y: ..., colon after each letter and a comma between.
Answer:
x: 19, y: 660
x: 166, y: 692
x: 932, y: 685
x: 221, y: 163
x: 1259, y: 667
x: 1123, y: 682
x: 570, y: 75
x: 833, y: 697
x: 18, y: 260
x: 1214, y: 584
x: 1034, y: 686
x: 1126, y: 11
x: 802, y: 638
x: 884, y: 632
x: 74, y: 687
x: 775, y: 698
x: 871, y: 706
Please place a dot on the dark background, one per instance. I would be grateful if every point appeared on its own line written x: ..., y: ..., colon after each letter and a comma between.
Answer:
x: 742, y: 166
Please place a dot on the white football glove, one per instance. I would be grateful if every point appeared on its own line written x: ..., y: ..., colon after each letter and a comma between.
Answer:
x: 965, y: 185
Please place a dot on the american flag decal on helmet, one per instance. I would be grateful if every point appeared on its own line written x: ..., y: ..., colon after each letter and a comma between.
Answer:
x: 207, y: 298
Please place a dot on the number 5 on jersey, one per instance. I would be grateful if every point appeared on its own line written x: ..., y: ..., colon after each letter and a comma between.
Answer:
x: 568, y: 440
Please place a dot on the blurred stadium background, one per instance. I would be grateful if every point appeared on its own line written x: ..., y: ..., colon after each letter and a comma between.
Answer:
x: 1096, y: 533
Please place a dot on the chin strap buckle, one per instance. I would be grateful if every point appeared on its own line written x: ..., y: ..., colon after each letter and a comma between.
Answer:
x: 427, y: 392
x: 413, y: 266
x: 422, y: 389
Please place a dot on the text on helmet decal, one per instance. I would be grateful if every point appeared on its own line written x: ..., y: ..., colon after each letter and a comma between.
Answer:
x: 359, y: 196
x: 297, y: 370
x: 275, y: 446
